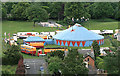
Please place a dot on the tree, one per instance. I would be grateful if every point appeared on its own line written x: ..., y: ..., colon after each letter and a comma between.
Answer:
x: 58, y: 53
x: 101, y: 10
x: 117, y: 12
x: 111, y: 63
x: 5, y: 73
x: 96, y: 48
x: 18, y: 10
x: 8, y: 6
x: 73, y: 64
x: 54, y: 64
x: 57, y: 10
x: 4, y: 13
x: 76, y: 10
x: 11, y: 56
x: 36, y: 13
x: 99, y: 63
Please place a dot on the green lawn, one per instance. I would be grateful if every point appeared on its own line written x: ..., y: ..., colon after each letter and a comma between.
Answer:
x: 11, y: 69
x: 108, y: 24
x: 23, y: 26
x: 19, y: 26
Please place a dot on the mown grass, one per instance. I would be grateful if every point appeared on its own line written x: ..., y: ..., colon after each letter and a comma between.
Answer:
x: 107, y: 24
x: 24, y: 26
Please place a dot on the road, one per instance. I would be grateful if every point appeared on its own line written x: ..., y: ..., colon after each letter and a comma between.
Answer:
x: 35, y: 65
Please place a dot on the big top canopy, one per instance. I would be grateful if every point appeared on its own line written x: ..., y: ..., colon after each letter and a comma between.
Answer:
x: 77, y: 36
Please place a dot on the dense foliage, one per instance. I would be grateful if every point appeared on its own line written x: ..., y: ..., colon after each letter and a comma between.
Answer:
x: 96, y: 48
x: 18, y: 11
x: 58, y: 53
x: 54, y: 65
x: 11, y: 56
x: 111, y: 63
x: 36, y: 13
x: 62, y: 10
x: 101, y: 10
x: 73, y: 64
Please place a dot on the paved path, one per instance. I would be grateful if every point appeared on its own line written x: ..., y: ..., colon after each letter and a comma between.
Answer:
x: 34, y: 65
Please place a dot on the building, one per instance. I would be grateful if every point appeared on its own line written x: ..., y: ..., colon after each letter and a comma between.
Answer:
x: 89, y: 58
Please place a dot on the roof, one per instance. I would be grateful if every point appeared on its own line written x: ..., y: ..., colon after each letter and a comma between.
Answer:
x: 86, y: 52
x: 34, y: 38
x: 79, y: 33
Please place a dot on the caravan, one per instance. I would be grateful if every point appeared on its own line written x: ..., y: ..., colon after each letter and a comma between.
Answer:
x: 26, y: 34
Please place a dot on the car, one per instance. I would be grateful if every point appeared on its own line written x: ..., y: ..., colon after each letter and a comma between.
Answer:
x: 27, y: 66
x: 115, y: 35
x: 41, y: 69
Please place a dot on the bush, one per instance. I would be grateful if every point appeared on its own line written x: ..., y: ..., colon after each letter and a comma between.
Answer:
x: 58, y: 53
x: 11, y: 56
x: 6, y: 73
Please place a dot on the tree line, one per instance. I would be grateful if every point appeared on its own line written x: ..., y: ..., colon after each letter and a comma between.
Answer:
x: 41, y: 11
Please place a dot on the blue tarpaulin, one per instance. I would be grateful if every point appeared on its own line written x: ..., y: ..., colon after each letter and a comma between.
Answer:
x: 49, y: 41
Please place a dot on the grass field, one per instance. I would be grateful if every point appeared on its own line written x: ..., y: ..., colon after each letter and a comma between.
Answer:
x: 108, y: 24
x: 9, y: 68
x: 24, y: 26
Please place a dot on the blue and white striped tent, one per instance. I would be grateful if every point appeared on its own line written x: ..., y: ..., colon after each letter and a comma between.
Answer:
x: 77, y: 36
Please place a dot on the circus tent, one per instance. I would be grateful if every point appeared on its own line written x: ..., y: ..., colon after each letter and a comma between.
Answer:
x: 77, y: 36
x: 33, y: 39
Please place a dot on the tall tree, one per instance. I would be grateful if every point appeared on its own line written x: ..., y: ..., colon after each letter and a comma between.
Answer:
x: 54, y: 65
x: 76, y: 10
x: 101, y: 10
x: 36, y: 14
x: 57, y: 10
x: 58, y: 53
x: 117, y: 12
x: 111, y: 63
x: 96, y: 48
x: 4, y: 13
x: 99, y: 63
x: 8, y: 6
x: 18, y: 10
x: 11, y: 56
x: 73, y: 64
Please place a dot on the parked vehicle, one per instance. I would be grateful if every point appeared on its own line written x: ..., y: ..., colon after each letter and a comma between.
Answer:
x: 96, y: 31
x: 27, y: 67
x: 115, y: 35
x: 24, y: 35
x: 108, y: 32
x: 28, y: 49
x: 48, y: 50
x: 41, y: 68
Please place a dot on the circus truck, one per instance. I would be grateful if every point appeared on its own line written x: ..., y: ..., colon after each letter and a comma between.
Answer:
x: 37, y: 45
x: 48, y: 50
x: 40, y: 53
x: 23, y: 35
x: 28, y: 49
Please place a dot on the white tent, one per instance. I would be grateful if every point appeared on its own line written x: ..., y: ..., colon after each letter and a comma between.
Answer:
x: 96, y: 31
x: 47, y: 24
x: 118, y: 37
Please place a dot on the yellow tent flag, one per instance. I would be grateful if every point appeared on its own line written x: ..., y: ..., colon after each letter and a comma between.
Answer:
x: 69, y: 26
